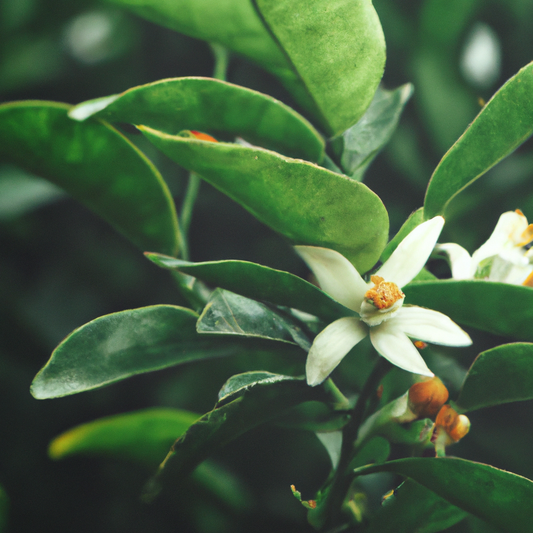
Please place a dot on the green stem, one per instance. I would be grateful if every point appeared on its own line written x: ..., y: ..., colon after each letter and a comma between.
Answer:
x: 186, y: 212
x: 222, y: 55
x: 332, y: 389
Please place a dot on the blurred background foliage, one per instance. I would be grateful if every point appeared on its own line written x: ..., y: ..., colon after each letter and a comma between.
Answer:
x: 61, y: 267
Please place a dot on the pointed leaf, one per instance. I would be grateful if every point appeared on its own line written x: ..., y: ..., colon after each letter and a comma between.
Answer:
x: 142, y: 436
x: 304, y: 202
x: 496, y: 496
x: 117, y: 346
x: 338, y: 51
x: 501, y: 126
x: 228, y: 313
x: 212, y: 106
x: 96, y: 165
x: 497, y: 308
x: 500, y: 375
x: 260, y: 283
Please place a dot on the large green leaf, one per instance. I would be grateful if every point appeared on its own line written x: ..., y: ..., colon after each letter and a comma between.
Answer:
x: 117, y: 346
x: 260, y: 283
x: 501, y: 126
x: 96, y: 165
x: 499, y: 497
x: 302, y: 201
x: 228, y: 313
x: 497, y: 308
x: 337, y: 48
x: 143, y: 436
x: 211, y: 106
x: 500, y: 375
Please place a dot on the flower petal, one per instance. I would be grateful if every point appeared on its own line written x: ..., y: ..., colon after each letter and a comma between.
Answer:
x: 394, y: 345
x: 460, y: 261
x: 430, y: 326
x: 335, y: 275
x: 331, y: 345
x: 412, y: 253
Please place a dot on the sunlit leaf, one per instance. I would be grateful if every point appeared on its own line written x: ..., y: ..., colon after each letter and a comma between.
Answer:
x: 212, y: 106
x: 302, y: 201
x: 142, y: 436
x: 96, y: 165
x: 338, y: 50
x: 500, y: 375
x: 499, y: 497
x: 501, y: 126
x: 260, y: 283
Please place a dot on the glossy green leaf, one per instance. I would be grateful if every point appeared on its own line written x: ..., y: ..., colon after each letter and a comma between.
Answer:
x: 499, y: 497
x: 338, y: 49
x: 500, y: 375
x: 413, y: 507
x: 211, y: 106
x: 260, y: 283
x: 142, y: 436
x: 302, y: 201
x: 363, y: 141
x: 259, y: 403
x: 117, y: 346
x: 228, y: 313
x: 497, y: 308
x: 501, y: 126
x: 96, y: 165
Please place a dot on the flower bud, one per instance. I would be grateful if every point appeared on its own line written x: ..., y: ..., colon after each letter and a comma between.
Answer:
x: 203, y: 136
x: 427, y: 397
x: 455, y: 425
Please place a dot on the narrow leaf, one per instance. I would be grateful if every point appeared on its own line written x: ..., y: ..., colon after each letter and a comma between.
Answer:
x: 500, y: 375
x: 496, y: 496
x: 304, y: 202
x: 338, y: 52
x: 501, y: 126
x: 96, y: 165
x: 213, y: 106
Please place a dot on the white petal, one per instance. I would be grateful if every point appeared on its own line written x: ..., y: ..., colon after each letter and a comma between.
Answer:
x: 460, y: 261
x: 430, y: 326
x: 412, y: 253
x: 331, y: 345
x: 335, y: 275
x: 392, y: 343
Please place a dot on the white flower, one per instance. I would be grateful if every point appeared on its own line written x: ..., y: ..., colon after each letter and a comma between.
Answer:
x: 380, y: 307
x: 502, y: 258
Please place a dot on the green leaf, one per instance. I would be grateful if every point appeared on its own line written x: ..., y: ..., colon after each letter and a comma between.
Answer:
x: 338, y: 50
x: 143, y: 436
x: 259, y: 283
x: 214, y: 107
x: 496, y: 496
x: 501, y: 126
x: 302, y: 201
x: 363, y: 141
x: 500, y: 375
x: 413, y: 507
x: 415, y: 219
x: 497, y: 308
x: 117, y: 346
x: 228, y: 313
x: 96, y: 165
x: 314, y: 416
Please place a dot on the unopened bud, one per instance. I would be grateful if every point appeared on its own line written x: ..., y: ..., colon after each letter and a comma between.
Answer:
x: 203, y: 136
x: 427, y: 397
x: 455, y: 425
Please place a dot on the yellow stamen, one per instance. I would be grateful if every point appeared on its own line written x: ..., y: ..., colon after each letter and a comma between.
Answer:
x: 384, y: 294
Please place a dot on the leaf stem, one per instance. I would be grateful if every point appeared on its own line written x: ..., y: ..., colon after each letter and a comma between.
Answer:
x: 186, y: 212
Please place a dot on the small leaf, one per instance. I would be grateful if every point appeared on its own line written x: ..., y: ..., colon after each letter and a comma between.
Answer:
x: 213, y: 106
x: 500, y: 375
x: 259, y: 283
x: 302, y: 201
x: 143, y: 436
x: 338, y: 51
x: 501, y: 126
x: 96, y: 165
x: 117, y: 346
x: 228, y: 313
x: 496, y: 496
x: 497, y: 308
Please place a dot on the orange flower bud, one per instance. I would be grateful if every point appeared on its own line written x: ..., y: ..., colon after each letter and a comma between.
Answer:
x: 203, y: 136
x: 427, y: 397
x: 455, y: 425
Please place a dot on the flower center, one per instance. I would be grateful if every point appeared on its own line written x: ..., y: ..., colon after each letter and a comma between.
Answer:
x: 384, y: 294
